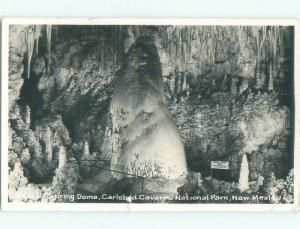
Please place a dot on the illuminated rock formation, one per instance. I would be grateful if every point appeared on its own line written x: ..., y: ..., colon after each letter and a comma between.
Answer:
x: 147, y: 142
x: 244, y: 174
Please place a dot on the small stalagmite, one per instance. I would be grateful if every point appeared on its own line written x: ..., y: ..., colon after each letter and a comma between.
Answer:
x: 27, y: 119
x: 244, y: 174
x: 48, y: 146
x: 62, y: 160
x: 86, y: 150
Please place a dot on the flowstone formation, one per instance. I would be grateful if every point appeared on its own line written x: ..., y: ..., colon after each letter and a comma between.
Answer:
x: 147, y: 142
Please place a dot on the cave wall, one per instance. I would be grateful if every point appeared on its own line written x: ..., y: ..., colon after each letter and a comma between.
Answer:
x: 227, y: 87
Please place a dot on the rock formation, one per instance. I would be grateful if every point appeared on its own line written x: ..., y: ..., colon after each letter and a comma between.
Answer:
x: 244, y: 174
x: 148, y: 142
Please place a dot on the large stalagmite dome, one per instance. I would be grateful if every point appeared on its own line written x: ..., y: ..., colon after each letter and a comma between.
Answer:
x: 146, y: 138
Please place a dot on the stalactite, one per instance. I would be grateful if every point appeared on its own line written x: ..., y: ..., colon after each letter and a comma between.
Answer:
x: 270, y: 83
x: 29, y: 38
x: 264, y: 33
x: 37, y: 33
x: 49, y: 35
x: 269, y: 46
x: 275, y: 34
x: 198, y: 48
x: 244, y: 174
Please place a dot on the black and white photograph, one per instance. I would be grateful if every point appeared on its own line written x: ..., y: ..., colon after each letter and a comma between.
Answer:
x: 133, y: 113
